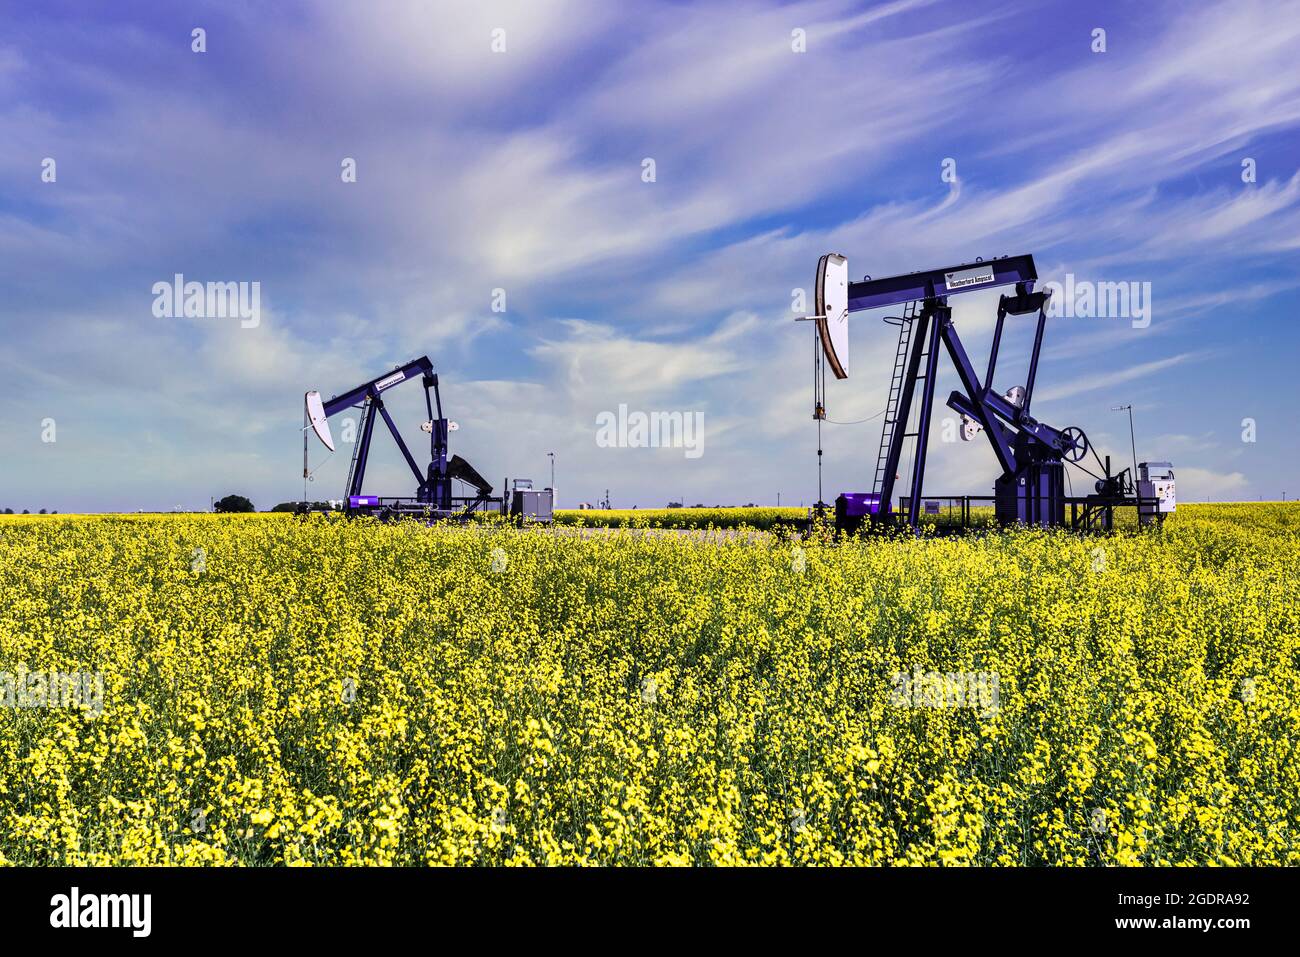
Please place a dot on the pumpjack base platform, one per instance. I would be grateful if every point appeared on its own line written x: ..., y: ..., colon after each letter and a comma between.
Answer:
x: 386, y: 508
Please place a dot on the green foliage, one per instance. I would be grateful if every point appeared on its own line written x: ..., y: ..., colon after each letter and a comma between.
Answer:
x: 233, y: 503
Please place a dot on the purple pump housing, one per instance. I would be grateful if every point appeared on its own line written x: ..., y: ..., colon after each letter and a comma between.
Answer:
x: 858, y: 504
x: 854, y: 509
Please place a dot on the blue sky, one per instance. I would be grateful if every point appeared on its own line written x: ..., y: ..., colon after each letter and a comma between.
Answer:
x: 522, y: 171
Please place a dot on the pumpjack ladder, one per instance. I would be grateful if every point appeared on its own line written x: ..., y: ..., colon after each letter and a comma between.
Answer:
x: 904, y: 323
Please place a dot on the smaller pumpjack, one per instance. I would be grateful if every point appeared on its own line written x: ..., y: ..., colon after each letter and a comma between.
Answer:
x: 433, y: 495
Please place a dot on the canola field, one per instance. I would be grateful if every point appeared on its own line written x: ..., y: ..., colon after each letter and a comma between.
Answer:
x: 267, y: 691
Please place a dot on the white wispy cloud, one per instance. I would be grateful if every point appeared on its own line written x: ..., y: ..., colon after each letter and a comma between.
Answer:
x: 522, y: 171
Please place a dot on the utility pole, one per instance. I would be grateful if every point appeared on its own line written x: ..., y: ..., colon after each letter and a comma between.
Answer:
x: 1131, y: 440
x: 551, y: 455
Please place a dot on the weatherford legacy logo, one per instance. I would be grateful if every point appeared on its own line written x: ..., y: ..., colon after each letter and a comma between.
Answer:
x: 102, y: 910
x: 968, y: 277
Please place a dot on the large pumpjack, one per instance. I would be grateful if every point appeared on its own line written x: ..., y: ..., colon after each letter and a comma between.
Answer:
x: 1032, y: 487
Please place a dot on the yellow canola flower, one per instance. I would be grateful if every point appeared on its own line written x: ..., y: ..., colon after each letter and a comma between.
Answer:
x: 327, y: 692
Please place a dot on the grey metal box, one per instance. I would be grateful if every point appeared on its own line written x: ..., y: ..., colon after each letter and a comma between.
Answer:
x: 532, y: 505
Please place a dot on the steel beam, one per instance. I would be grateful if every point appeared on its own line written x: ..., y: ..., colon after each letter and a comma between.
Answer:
x: 949, y: 281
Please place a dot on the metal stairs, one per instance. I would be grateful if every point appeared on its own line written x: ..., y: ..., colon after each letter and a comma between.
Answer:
x: 367, y: 410
x: 905, y: 323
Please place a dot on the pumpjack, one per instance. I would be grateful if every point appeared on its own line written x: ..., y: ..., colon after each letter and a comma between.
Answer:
x: 433, y: 493
x: 1032, y: 487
